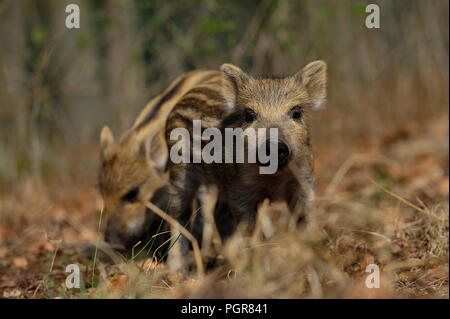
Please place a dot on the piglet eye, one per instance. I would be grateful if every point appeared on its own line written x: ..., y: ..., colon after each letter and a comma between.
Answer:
x: 131, y: 196
x: 296, y: 113
x: 250, y: 116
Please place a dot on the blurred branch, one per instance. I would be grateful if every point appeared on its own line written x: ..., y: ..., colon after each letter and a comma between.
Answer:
x: 251, y: 32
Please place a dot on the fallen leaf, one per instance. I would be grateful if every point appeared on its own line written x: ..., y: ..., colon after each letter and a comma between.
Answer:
x: 41, y: 246
x: 120, y: 282
x: 368, y: 259
x: 443, y: 186
x: 175, y: 277
x: 20, y: 262
x: 3, y: 252
x: 8, y: 283
x: 70, y: 236
x: 14, y: 293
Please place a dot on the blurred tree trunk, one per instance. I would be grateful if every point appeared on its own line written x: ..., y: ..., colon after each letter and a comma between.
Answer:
x: 13, y: 77
x: 123, y: 80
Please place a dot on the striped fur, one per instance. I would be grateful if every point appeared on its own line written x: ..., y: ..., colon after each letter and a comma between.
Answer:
x: 283, y: 103
x: 132, y: 167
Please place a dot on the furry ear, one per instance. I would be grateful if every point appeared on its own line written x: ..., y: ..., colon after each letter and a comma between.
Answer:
x: 314, y: 78
x: 152, y: 148
x: 232, y: 78
x: 106, y: 140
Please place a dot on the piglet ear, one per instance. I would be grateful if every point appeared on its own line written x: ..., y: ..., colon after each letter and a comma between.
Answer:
x: 153, y: 149
x: 106, y: 140
x: 232, y: 79
x: 314, y: 78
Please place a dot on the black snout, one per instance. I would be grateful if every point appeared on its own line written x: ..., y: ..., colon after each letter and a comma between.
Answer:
x: 283, y: 154
x: 112, y: 236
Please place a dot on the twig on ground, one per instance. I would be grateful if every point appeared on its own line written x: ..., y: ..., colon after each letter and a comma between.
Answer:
x: 404, y: 201
x: 351, y: 161
x: 184, y: 232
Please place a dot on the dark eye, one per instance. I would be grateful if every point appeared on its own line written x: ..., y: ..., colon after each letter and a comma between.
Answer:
x: 250, y: 116
x: 131, y: 196
x: 296, y: 113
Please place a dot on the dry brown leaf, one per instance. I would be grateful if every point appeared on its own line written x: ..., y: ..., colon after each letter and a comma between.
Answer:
x: 443, y: 186
x: 175, y: 277
x: 119, y: 283
x: 41, y: 246
x: 70, y: 236
x: 20, y: 262
x: 8, y: 283
x: 13, y: 293
x: 3, y: 252
x: 368, y: 259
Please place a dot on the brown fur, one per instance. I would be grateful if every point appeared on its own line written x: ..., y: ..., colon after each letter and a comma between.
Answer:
x: 132, y: 167
x: 224, y: 104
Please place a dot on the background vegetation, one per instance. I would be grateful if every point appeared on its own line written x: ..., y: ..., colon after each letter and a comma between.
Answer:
x: 386, y: 118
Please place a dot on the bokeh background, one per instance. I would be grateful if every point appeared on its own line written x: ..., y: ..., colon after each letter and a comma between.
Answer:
x: 387, y: 100
x: 59, y: 86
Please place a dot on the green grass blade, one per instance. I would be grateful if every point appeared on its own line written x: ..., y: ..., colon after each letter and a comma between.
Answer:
x: 96, y: 247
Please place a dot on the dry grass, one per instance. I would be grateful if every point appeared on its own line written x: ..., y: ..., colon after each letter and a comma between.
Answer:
x: 386, y: 121
x: 399, y: 221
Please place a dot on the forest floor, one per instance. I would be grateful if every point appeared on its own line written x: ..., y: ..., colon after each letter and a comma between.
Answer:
x: 383, y: 203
